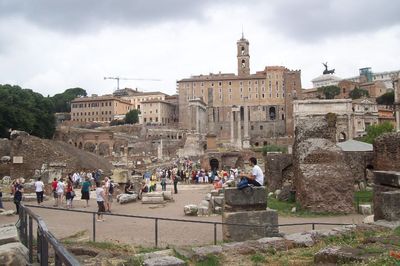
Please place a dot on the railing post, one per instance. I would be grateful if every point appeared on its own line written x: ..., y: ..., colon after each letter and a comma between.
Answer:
x: 215, y: 233
x: 156, y: 231
x: 94, y: 227
x: 30, y: 240
x: 44, y: 256
x: 38, y: 245
x: 313, y: 226
x: 57, y: 261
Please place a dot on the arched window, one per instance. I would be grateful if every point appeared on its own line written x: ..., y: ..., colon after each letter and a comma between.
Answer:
x: 272, y: 113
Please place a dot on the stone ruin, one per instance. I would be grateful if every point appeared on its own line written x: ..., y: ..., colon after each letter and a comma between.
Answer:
x: 386, y: 197
x: 211, y: 204
x: 248, y: 206
x: 322, y: 177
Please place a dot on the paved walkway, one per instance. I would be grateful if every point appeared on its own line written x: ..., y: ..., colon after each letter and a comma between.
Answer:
x: 141, y: 231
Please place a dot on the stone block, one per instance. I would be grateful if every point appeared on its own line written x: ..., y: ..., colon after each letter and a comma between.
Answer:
x: 6, y: 213
x: 153, y: 200
x: 214, y: 192
x: 250, y: 198
x: 154, y: 194
x: 201, y: 253
x: 387, y: 178
x: 379, y: 202
x: 208, y: 197
x: 301, y: 239
x: 168, y: 195
x: 190, y: 210
x: 391, y: 205
x: 203, y: 211
x: 265, y: 225
x: 365, y: 209
x: 126, y: 198
x: 218, y: 201
x: 14, y: 254
x: 333, y: 255
x: 164, y: 261
x: 205, y: 203
x: 8, y: 234
x: 218, y: 210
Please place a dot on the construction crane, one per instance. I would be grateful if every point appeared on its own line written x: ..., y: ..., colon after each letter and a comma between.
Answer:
x: 120, y: 78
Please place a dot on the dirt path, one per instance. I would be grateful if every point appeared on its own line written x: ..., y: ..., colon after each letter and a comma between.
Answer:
x: 141, y: 231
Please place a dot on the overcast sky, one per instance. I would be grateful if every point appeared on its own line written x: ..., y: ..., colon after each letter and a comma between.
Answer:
x: 51, y: 45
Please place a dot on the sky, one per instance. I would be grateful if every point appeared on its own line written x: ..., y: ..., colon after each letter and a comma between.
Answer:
x: 49, y: 46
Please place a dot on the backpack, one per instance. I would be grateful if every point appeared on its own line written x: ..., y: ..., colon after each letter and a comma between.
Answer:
x: 243, y: 184
x: 111, y: 188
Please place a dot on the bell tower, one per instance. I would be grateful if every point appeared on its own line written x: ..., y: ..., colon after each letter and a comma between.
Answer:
x: 243, y: 57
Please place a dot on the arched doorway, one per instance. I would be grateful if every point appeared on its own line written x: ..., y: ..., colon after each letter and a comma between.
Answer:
x: 342, y: 137
x: 214, y: 164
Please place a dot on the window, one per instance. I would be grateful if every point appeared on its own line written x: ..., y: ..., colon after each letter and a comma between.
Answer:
x: 194, y: 84
x: 249, y: 89
x: 249, y: 82
x: 261, y: 127
x: 241, y: 83
x: 252, y: 127
x: 230, y: 90
x: 230, y: 83
x: 202, y: 84
x: 263, y: 95
x: 219, y: 83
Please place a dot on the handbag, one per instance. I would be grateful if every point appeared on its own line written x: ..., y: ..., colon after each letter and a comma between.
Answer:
x: 72, y: 193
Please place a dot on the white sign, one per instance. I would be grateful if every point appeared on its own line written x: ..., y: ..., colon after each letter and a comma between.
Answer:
x: 18, y: 159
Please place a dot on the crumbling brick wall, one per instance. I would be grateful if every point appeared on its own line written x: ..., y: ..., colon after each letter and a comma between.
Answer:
x: 387, y: 152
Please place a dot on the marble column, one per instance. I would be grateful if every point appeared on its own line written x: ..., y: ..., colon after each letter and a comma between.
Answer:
x: 246, y: 139
x: 232, y: 127
x: 239, y: 135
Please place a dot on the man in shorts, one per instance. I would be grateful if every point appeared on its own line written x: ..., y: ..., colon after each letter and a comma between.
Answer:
x: 108, y: 194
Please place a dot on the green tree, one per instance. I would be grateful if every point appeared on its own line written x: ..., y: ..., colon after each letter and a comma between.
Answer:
x: 386, y: 99
x: 329, y: 91
x: 25, y: 110
x: 62, y: 101
x: 358, y: 93
x: 374, y: 131
x: 132, y: 117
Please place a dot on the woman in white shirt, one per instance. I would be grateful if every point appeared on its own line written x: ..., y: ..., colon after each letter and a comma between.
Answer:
x: 60, y: 192
x: 100, y: 198
x: 39, y: 189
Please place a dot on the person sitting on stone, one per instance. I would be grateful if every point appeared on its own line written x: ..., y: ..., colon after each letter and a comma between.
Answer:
x: 143, y: 189
x: 256, y: 177
x: 129, y: 187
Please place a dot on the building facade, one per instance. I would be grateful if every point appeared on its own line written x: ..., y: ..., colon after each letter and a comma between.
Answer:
x: 244, y: 106
x: 99, y: 109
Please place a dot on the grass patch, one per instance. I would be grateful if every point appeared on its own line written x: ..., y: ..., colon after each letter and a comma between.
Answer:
x: 284, y: 208
x: 210, y: 260
x: 396, y: 231
x: 135, y: 261
x: 363, y: 196
x: 257, y: 258
x: 140, y: 249
x: 110, y: 246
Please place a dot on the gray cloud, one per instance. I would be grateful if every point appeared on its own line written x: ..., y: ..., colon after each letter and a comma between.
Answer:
x: 309, y: 20
x: 80, y: 15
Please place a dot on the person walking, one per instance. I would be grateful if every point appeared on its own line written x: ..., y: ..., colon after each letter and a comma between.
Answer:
x: 69, y: 195
x: 100, y: 197
x: 39, y: 189
x: 85, y: 191
x: 108, y: 191
x: 60, y: 192
x: 18, y: 190
x: 175, y: 180
x: 54, y: 190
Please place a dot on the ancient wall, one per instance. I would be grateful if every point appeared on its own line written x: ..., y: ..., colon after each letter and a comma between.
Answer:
x: 275, y: 163
x: 323, y: 179
x: 358, y: 163
x: 387, y: 152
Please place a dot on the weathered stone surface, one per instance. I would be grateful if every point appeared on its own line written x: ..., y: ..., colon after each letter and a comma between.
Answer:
x: 369, y: 219
x: 13, y: 254
x: 168, y: 195
x: 201, y: 252
x: 387, y: 152
x: 8, y: 234
x: 323, y: 179
x: 164, y: 261
x: 277, y: 243
x: 365, y: 209
x: 153, y: 200
x: 387, y: 178
x: 190, y: 210
x: 203, y: 211
x: 126, y: 198
x: 335, y: 255
x: 218, y: 210
x: 391, y: 205
x: 214, y: 192
x: 275, y: 163
x: 265, y: 225
x: 379, y: 200
x: 208, y: 196
x: 6, y: 180
x: 5, y: 159
x: 251, y: 198
x: 303, y: 239
x: 7, y: 213
x: 218, y: 201
x: 156, y: 254
x: 154, y: 194
x: 388, y: 224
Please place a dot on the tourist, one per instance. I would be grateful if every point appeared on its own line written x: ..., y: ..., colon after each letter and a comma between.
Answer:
x: 85, y: 191
x: 129, y: 187
x: 1, y: 198
x: 69, y: 194
x: 108, y: 193
x: 143, y: 189
x: 256, y: 177
x: 54, y: 190
x: 39, y: 189
x: 175, y: 180
x: 17, y: 191
x: 100, y: 198
x: 60, y: 192
x: 163, y: 183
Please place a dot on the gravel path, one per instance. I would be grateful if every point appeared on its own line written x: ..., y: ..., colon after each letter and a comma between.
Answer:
x: 141, y: 231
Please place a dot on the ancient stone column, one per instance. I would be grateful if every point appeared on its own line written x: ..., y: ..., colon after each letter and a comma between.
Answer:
x: 239, y: 136
x: 197, y: 120
x: 246, y: 139
x: 232, y: 127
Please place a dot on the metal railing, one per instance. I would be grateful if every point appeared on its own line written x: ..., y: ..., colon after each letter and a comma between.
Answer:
x: 44, y: 239
x: 157, y: 219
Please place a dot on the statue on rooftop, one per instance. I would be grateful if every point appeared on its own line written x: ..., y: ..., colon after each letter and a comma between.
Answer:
x: 326, y: 71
